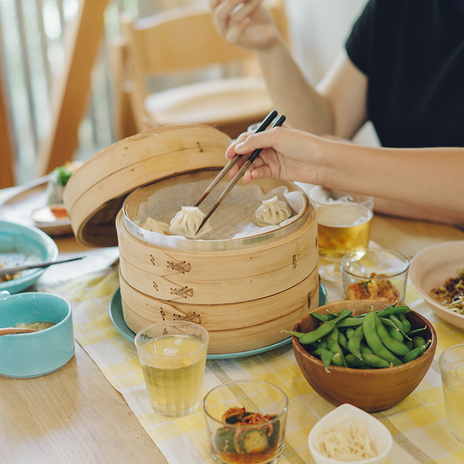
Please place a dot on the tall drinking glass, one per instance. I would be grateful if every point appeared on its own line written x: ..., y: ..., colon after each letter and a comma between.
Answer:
x: 344, y: 225
x: 173, y: 358
x: 451, y: 364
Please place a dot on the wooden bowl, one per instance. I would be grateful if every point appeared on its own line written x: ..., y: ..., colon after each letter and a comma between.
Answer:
x: 369, y: 389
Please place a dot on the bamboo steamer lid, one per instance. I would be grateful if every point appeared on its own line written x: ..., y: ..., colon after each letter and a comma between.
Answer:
x: 96, y: 192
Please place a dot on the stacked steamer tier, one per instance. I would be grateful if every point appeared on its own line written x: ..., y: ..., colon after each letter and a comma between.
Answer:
x: 244, y: 291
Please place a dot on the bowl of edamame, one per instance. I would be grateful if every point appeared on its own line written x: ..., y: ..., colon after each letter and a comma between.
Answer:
x: 366, y: 353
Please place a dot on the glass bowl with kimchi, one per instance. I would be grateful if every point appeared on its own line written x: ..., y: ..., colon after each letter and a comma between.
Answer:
x: 246, y: 422
x: 375, y: 274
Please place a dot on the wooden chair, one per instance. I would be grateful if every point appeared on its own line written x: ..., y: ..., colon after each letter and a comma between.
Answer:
x: 7, y: 156
x: 180, y: 42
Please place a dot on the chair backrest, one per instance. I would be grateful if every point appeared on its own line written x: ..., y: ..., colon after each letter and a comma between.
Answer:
x: 179, y: 40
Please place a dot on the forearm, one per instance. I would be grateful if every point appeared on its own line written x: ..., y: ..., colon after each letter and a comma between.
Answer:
x: 422, y: 213
x: 292, y: 94
x: 429, y: 177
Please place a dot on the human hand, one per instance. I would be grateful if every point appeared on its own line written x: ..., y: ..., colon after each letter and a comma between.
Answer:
x: 287, y: 154
x: 244, y: 23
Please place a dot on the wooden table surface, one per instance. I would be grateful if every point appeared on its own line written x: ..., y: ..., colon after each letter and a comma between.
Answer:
x: 75, y: 416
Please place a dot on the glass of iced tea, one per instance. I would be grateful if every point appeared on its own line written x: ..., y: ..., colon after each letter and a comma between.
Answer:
x: 451, y: 364
x: 246, y: 422
x: 173, y: 358
x: 344, y: 225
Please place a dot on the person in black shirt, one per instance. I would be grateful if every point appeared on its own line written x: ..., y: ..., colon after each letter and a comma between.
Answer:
x: 402, y: 69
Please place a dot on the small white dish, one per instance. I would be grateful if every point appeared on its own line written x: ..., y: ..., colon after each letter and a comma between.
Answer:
x: 430, y: 268
x: 381, y: 437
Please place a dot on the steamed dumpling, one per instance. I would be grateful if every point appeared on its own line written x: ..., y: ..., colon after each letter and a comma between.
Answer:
x: 155, y: 226
x: 187, y: 221
x: 271, y: 212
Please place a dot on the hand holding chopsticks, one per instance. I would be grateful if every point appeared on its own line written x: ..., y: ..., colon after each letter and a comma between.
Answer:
x: 263, y: 126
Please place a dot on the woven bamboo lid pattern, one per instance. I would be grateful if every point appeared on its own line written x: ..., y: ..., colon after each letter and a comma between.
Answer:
x: 95, y: 193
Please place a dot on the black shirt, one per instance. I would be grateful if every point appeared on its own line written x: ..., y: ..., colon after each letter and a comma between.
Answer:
x: 412, y: 52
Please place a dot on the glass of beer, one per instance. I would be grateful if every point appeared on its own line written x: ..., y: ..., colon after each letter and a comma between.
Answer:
x: 173, y: 357
x: 344, y: 225
x: 451, y: 364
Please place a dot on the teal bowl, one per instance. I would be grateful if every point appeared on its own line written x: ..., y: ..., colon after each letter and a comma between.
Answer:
x: 36, y: 353
x: 21, y: 245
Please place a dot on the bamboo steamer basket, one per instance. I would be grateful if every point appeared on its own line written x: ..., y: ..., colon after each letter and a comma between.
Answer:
x: 245, y: 292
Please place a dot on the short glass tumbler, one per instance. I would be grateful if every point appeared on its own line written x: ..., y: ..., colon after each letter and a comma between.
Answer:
x: 246, y: 422
x: 173, y: 358
x: 451, y: 364
x: 375, y: 274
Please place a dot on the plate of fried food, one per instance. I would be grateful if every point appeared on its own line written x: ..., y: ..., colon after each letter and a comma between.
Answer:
x: 437, y: 273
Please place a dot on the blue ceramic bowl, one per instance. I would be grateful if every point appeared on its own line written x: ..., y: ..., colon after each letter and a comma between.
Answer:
x: 41, y: 352
x: 21, y: 245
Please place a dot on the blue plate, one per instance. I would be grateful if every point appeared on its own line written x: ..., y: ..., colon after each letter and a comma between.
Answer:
x: 21, y: 245
x: 117, y: 319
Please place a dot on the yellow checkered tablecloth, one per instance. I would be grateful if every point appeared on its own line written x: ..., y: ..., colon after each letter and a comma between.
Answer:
x: 417, y: 423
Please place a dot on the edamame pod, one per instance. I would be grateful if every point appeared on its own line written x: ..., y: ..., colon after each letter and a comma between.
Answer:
x: 406, y: 323
x: 324, y: 329
x: 364, y: 348
x: 292, y: 332
x: 392, y: 329
x: 339, y: 360
x: 393, y: 310
x: 334, y: 346
x: 349, y: 322
x: 324, y: 355
x: 396, y: 347
x: 323, y: 343
x: 418, y: 341
x: 372, y: 360
x: 354, y: 343
x: 374, y: 342
x: 342, y: 340
x: 396, y: 321
x: 353, y: 361
x: 416, y: 331
x: 323, y: 317
x: 318, y: 334
x: 416, y: 352
x: 349, y: 332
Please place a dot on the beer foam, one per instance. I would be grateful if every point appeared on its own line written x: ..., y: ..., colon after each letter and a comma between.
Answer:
x: 347, y: 216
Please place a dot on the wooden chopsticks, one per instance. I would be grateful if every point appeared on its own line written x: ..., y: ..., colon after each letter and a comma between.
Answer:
x: 263, y: 126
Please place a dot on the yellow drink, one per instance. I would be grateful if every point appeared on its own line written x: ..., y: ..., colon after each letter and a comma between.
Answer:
x: 173, y: 367
x: 342, y: 229
x: 453, y: 391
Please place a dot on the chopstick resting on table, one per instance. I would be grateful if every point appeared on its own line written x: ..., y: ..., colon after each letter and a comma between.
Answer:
x: 269, y: 118
x: 14, y: 270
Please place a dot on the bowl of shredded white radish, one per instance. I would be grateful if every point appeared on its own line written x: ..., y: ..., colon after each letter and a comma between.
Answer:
x: 349, y: 434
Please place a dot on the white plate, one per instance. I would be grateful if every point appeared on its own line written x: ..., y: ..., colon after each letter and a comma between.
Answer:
x: 32, y: 197
x: 431, y: 267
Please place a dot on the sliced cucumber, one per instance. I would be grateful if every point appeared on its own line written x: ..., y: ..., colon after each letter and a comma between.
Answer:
x: 253, y: 441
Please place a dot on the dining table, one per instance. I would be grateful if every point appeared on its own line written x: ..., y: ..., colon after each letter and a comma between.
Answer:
x: 86, y: 411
